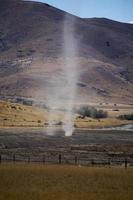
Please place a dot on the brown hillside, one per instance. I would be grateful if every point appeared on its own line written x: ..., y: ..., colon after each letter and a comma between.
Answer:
x: 31, y: 44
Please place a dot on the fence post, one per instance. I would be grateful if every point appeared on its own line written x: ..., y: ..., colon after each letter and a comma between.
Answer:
x: 59, y: 158
x: 14, y: 158
x: 76, y: 160
x: 28, y: 159
x: 43, y: 159
x: 109, y: 162
x: 126, y: 163
x: 92, y: 162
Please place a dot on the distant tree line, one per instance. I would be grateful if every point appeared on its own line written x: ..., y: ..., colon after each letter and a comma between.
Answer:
x: 87, y: 111
x: 126, y: 117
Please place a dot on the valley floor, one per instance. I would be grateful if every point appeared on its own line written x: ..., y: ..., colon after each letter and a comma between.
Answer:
x: 98, y: 146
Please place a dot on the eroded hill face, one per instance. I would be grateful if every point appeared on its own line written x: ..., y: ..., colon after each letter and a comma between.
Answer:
x: 31, y: 54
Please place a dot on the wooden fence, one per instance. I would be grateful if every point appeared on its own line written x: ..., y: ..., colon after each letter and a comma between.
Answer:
x: 63, y: 159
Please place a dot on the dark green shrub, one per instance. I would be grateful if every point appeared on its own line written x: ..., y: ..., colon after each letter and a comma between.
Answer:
x: 126, y: 117
x: 59, y: 123
x: 92, y: 112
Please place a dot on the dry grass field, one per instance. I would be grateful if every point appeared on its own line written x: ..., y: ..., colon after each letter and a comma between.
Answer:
x: 38, y: 182
x: 101, y: 123
x: 18, y: 115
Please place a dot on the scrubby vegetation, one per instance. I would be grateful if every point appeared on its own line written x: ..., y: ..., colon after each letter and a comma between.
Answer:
x: 92, y: 112
x: 126, y: 117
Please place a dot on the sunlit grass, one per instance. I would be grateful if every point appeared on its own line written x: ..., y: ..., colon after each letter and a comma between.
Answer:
x: 100, y: 123
x: 17, y: 115
x: 38, y: 182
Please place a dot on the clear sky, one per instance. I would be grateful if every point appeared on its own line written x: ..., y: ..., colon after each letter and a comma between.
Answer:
x: 119, y: 10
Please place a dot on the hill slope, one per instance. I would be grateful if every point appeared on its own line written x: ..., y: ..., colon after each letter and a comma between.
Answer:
x: 31, y: 58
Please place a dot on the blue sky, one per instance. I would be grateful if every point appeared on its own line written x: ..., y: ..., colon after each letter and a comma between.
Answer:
x: 119, y: 10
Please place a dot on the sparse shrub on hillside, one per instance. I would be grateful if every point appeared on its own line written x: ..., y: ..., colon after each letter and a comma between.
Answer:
x: 75, y: 126
x: 20, y: 55
x: 108, y: 43
x: 27, y: 102
x: 59, y: 123
x: 14, y: 107
x: 39, y: 121
x: 126, y: 117
x: 46, y: 123
x: 32, y: 50
x: 92, y: 112
x: 47, y: 5
x: 116, y: 109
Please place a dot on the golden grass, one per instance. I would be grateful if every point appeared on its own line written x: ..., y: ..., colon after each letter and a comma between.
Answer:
x: 13, y: 114
x: 36, y: 182
x: 102, y: 123
x: 17, y: 115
